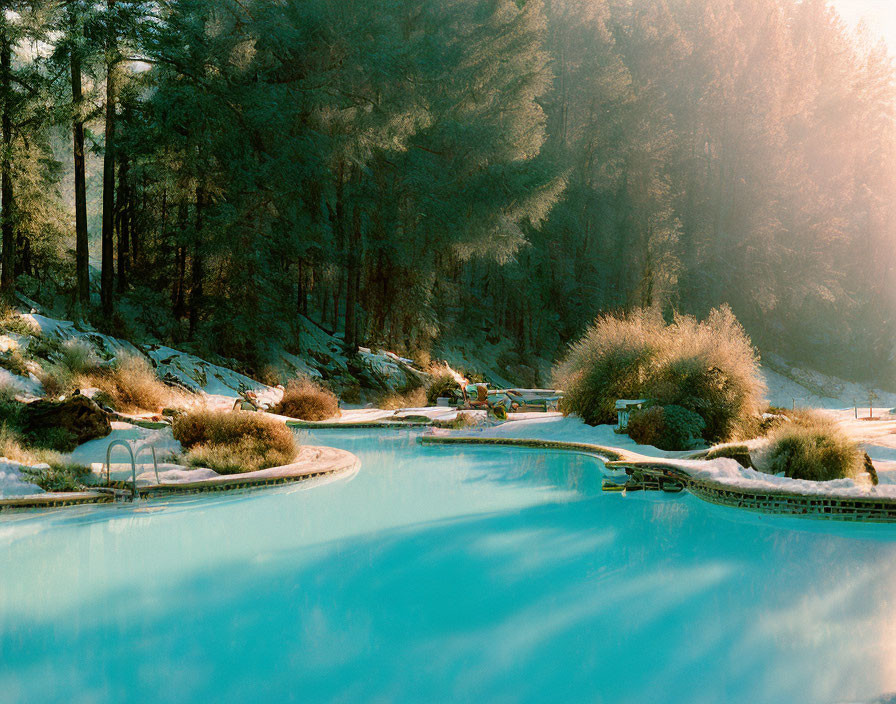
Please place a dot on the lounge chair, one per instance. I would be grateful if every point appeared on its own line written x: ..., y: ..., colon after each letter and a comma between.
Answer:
x: 534, y: 399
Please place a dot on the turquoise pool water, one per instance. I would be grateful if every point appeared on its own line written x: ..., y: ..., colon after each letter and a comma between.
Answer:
x: 443, y: 574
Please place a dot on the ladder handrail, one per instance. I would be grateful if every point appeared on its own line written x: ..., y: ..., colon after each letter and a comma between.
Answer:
x: 155, y: 463
x: 130, y: 450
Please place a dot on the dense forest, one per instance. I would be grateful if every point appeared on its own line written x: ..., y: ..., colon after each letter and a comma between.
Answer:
x: 211, y: 172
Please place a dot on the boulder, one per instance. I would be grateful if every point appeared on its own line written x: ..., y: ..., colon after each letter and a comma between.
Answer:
x: 78, y: 415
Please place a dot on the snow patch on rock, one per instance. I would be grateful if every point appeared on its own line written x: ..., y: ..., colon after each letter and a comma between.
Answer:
x: 12, y: 483
x: 198, y: 375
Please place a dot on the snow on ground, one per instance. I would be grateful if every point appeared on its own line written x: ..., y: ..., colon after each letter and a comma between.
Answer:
x: 26, y: 386
x: 373, y: 415
x: 200, y: 376
x: 66, y: 330
x: 553, y: 426
x: 12, y: 483
x: 790, y: 386
x: 787, y: 386
x: 176, y: 474
x: 93, y: 453
x: 729, y: 472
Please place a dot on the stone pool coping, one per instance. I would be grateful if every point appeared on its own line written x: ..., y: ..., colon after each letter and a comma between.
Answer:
x: 766, y: 500
x: 608, y: 453
x: 329, y: 425
x: 311, y: 462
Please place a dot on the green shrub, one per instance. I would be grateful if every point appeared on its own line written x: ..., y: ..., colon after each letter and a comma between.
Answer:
x: 14, y: 447
x: 48, y: 348
x: 813, y: 446
x: 234, y: 441
x: 666, y: 427
x: 306, y: 399
x: 78, y: 357
x: 646, y: 426
x: 56, y: 439
x: 59, y: 476
x: 708, y: 368
x: 10, y: 408
x: 351, y: 393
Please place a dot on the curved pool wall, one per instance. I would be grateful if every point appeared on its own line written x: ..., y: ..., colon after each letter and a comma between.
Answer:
x: 443, y: 574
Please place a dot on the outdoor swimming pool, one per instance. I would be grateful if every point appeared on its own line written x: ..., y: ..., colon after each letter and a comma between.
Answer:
x: 443, y: 574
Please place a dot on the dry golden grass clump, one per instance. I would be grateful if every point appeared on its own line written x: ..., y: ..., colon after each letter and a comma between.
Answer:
x: 13, y: 447
x: 395, y: 400
x: 305, y: 399
x: 133, y: 385
x: 707, y: 367
x: 11, y: 321
x: 459, y: 422
x: 812, y: 446
x: 129, y: 382
x: 231, y: 442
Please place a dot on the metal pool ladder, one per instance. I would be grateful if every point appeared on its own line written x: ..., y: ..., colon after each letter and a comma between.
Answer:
x: 133, y: 457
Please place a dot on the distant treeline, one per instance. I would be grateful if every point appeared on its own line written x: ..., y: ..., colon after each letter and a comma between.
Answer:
x: 403, y: 170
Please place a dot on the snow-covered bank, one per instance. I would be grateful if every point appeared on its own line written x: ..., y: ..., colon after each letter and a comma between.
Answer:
x: 217, y: 383
x: 353, y: 416
x: 790, y: 385
x: 553, y: 426
x: 731, y: 474
x: 557, y: 427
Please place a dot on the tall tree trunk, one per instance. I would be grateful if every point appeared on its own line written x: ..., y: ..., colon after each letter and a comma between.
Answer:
x: 134, y: 230
x: 178, y: 297
x: 301, y: 294
x: 337, y: 296
x: 196, y: 265
x: 340, y: 242
x: 353, y: 261
x: 124, y: 225
x: 8, y: 275
x: 82, y: 261
x: 23, y: 256
x: 107, y: 274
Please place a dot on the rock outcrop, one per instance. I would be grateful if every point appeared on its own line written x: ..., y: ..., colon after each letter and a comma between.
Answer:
x: 78, y: 415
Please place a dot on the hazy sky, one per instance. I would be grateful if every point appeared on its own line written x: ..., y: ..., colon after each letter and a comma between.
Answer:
x: 879, y: 15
